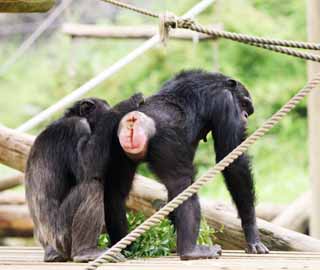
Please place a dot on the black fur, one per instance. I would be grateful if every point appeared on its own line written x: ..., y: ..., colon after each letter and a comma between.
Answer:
x: 66, y: 204
x: 188, y: 107
x: 60, y: 202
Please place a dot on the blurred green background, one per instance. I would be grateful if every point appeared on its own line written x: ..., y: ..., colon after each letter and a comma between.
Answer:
x: 55, y: 66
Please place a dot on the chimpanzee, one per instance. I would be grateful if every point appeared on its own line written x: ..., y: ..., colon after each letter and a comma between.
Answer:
x: 67, y: 210
x: 165, y: 132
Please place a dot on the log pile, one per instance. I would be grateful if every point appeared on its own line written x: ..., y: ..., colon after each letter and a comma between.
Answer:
x: 148, y: 196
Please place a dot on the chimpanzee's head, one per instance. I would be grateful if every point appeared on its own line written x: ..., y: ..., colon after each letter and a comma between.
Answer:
x: 241, y: 98
x: 89, y: 108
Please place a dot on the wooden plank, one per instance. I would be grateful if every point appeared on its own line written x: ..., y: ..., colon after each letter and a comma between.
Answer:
x: 22, y: 258
x: 129, y: 32
x: 17, y: 6
x: 313, y: 16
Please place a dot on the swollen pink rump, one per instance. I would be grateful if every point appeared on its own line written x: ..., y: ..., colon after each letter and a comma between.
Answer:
x: 132, y: 135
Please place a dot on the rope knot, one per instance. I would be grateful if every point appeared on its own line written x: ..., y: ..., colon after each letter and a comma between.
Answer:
x: 169, y: 20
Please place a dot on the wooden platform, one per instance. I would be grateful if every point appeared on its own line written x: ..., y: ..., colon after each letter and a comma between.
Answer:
x: 31, y: 259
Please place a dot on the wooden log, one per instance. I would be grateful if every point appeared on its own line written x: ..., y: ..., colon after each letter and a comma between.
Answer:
x: 148, y: 196
x: 296, y: 216
x: 268, y: 211
x: 265, y: 211
x: 313, y: 19
x: 11, y: 181
x: 17, y: 6
x: 9, y: 197
x: 15, y: 221
x: 128, y: 32
x: 14, y: 148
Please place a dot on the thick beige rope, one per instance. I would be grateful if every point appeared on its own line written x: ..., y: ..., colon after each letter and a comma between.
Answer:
x: 174, y: 21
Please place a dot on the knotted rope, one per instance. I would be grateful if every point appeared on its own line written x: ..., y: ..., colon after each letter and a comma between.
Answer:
x: 169, y: 21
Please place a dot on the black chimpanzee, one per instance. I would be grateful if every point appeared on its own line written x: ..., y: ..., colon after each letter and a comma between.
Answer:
x: 165, y: 132
x: 67, y: 210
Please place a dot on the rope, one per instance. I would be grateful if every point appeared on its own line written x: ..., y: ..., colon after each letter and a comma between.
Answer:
x: 194, y: 188
x: 169, y: 20
x: 269, y: 44
x: 133, y: 8
x: 34, y: 36
x: 287, y: 51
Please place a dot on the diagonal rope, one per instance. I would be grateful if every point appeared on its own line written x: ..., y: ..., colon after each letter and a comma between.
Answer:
x: 34, y: 36
x: 177, y: 22
x: 211, y: 173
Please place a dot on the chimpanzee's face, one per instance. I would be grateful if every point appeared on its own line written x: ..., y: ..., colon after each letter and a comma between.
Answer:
x: 88, y: 108
x: 243, y: 99
x: 91, y: 108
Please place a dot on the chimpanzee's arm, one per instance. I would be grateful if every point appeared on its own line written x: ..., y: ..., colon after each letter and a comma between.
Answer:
x: 94, y: 153
x: 228, y: 132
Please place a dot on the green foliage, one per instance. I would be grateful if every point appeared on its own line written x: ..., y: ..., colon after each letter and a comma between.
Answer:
x: 159, y: 241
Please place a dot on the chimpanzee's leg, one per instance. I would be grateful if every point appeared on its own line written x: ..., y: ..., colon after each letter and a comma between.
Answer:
x: 51, y: 255
x: 228, y: 134
x: 81, y: 221
x: 116, y: 189
x: 171, y: 159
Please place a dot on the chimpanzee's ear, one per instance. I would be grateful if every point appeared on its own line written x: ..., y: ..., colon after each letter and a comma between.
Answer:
x: 86, y: 106
x: 231, y: 83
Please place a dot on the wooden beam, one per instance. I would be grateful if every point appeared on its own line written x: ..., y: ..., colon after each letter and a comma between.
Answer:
x: 313, y: 16
x: 11, y: 181
x: 14, y: 148
x: 296, y: 216
x: 15, y: 220
x: 10, y: 197
x: 269, y: 211
x: 128, y: 32
x: 149, y: 195
x: 19, y: 6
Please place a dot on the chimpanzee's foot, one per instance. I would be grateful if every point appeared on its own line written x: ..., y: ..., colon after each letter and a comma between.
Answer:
x: 257, y: 248
x: 51, y: 255
x: 202, y: 252
x: 92, y: 254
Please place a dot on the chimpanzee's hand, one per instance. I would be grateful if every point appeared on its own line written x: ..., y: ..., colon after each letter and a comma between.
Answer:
x: 257, y: 248
x: 130, y: 104
x: 138, y: 98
